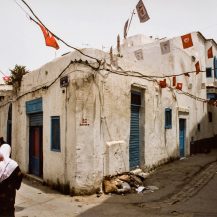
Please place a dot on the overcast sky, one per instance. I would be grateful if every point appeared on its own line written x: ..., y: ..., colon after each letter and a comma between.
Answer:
x: 93, y: 23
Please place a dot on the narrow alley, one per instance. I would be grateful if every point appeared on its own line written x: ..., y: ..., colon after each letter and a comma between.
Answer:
x: 178, y: 195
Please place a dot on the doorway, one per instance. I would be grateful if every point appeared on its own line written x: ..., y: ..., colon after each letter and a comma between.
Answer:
x: 36, y: 144
x: 182, y: 135
x: 9, y: 125
x: 134, y: 144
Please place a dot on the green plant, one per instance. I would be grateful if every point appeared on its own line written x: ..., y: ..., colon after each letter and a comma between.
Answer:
x: 16, y: 76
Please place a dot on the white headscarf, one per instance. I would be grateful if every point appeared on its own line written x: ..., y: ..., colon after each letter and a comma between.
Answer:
x: 7, y: 165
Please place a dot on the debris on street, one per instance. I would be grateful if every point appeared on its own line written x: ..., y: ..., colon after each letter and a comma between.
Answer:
x: 132, y: 182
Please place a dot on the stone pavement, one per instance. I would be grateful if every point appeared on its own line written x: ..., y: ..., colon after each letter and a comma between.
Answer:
x: 177, y: 181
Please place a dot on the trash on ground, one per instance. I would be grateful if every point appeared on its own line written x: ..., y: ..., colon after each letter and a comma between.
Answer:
x: 140, y: 189
x: 136, y: 171
x: 143, y: 175
x: 124, y: 188
x: 152, y: 188
x: 127, y: 183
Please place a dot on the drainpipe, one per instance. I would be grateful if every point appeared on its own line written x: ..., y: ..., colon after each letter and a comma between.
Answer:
x: 65, y: 138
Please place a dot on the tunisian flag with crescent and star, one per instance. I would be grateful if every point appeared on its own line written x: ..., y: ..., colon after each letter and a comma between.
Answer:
x: 49, y: 38
x: 187, y: 41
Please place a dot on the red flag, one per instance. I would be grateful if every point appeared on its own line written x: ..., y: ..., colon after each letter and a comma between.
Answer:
x: 163, y: 83
x: 174, y: 80
x: 49, y: 38
x: 186, y: 74
x: 209, y: 53
x: 187, y: 41
x: 125, y: 28
x: 197, y: 67
x: 141, y: 11
x: 179, y: 86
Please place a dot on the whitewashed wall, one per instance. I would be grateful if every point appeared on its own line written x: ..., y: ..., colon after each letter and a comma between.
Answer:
x: 103, y: 98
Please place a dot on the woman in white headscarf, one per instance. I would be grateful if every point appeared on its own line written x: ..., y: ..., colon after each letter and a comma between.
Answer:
x: 10, y: 180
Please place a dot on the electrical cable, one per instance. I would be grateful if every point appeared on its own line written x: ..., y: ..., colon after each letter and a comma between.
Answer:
x: 58, y: 38
x: 122, y: 72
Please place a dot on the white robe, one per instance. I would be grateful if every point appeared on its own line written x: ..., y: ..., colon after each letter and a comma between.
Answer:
x: 7, y: 165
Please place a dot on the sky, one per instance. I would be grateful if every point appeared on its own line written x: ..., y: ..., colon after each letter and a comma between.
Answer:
x: 93, y: 23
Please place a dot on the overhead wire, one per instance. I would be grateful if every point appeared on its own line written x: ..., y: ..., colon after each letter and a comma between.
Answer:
x: 57, y: 37
x: 24, y: 11
x: 2, y: 73
x: 152, y: 78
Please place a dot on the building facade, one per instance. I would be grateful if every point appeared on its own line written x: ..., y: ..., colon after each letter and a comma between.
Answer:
x: 78, y: 119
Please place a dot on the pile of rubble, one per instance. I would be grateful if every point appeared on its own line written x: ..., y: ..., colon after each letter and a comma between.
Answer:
x: 131, y: 182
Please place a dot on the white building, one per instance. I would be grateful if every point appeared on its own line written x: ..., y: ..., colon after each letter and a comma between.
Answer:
x: 73, y: 121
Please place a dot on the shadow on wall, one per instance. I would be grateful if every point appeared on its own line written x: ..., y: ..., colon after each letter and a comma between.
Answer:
x: 204, y: 145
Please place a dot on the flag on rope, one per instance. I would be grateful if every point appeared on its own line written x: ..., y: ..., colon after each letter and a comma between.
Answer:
x: 165, y: 47
x: 125, y: 29
x: 49, y: 38
x: 197, y: 67
x: 179, y: 86
x: 142, y: 12
x: 187, y: 41
x: 111, y: 55
x: 186, y: 74
x: 139, y: 54
x: 210, y: 53
x: 174, y: 80
x: 163, y: 83
x: 118, y: 44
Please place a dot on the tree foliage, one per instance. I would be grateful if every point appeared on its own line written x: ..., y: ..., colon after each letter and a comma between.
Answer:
x: 16, y: 76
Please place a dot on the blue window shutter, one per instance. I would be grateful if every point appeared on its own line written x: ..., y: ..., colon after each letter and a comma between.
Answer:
x: 168, y: 118
x: 55, y: 133
x: 34, y: 106
x: 215, y: 66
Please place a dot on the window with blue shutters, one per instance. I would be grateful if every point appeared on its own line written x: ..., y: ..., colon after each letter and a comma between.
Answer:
x: 55, y: 133
x: 168, y: 118
x: 215, y: 67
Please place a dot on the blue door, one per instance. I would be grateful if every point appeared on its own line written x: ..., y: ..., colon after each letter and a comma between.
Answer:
x: 35, y: 144
x: 134, y: 146
x: 182, y: 130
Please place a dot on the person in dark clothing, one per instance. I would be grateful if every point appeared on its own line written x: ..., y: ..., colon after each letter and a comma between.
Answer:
x: 10, y: 180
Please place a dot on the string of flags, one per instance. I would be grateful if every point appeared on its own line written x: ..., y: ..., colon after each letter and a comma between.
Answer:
x: 50, y: 38
x: 187, y: 42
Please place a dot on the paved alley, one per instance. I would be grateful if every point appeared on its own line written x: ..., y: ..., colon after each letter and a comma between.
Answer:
x: 179, y: 183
